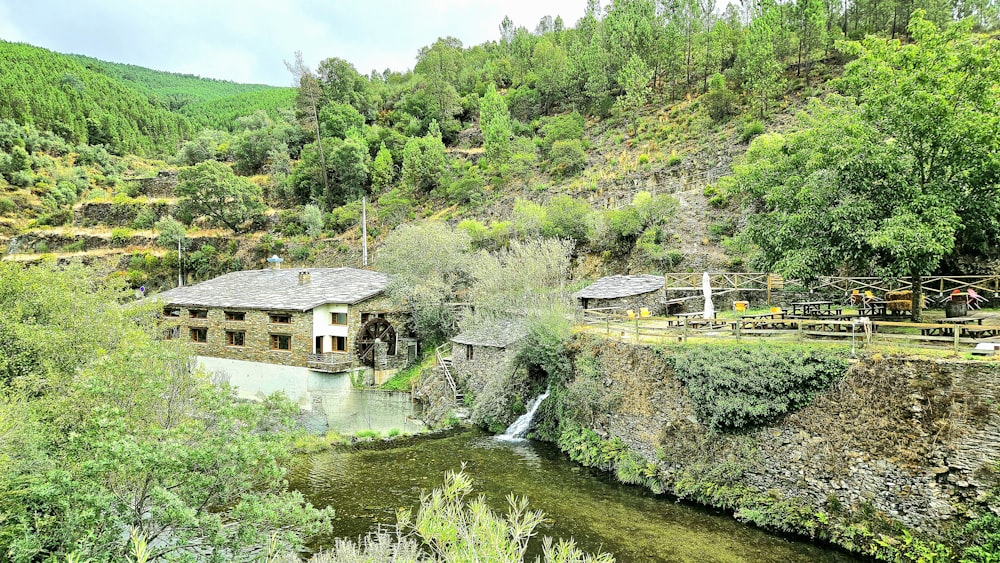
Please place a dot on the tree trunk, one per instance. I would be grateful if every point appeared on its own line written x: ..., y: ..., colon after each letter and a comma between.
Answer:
x: 917, y: 296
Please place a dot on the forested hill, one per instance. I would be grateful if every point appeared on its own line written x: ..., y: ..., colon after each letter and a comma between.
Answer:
x: 56, y: 93
x: 170, y: 88
x: 127, y: 108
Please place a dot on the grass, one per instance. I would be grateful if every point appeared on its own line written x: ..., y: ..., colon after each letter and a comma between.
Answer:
x: 403, y: 380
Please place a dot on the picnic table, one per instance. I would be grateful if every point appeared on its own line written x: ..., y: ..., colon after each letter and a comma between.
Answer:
x: 815, y: 308
x: 954, y: 322
x: 761, y: 320
x: 873, y: 307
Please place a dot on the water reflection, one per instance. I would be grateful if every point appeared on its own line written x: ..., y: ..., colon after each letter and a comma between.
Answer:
x: 366, y: 486
x: 328, y: 401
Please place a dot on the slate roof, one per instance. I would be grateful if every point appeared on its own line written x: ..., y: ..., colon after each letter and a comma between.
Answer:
x: 613, y: 287
x: 497, y: 335
x: 279, y: 289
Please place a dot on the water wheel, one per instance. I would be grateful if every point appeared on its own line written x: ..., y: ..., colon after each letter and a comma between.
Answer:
x: 376, y: 329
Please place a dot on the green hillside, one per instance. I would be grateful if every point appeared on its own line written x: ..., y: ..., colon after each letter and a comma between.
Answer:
x: 174, y: 90
x: 221, y: 113
x: 56, y: 93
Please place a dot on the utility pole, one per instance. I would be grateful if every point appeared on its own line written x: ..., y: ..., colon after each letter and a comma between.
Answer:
x: 180, y: 264
x: 364, y: 232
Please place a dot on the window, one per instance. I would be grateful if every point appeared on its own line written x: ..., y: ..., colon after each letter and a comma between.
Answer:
x: 199, y: 335
x: 235, y: 337
x: 365, y: 317
x: 281, y: 342
x: 171, y: 333
x: 199, y: 313
x: 338, y: 318
x: 281, y: 319
x: 171, y: 312
x: 236, y: 316
x: 469, y: 352
x: 339, y: 343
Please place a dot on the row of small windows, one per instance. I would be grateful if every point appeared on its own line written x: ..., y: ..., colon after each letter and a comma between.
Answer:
x: 237, y: 338
x: 277, y: 318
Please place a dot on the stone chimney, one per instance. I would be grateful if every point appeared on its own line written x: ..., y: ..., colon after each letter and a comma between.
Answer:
x: 304, y: 277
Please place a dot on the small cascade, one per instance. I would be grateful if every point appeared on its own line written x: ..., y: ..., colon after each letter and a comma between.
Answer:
x: 520, y: 427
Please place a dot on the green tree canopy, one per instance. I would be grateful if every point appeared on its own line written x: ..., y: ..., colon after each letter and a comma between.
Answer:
x: 211, y: 189
x: 894, y: 181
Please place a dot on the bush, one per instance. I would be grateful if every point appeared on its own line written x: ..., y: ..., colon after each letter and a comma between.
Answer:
x: 6, y: 205
x: 145, y: 218
x: 120, y: 236
x: 751, y: 129
x: 567, y: 157
x: 344, y: 217
x: 568, y: 218
x: 312, y: 219
x: 674, y: 159
x: 743, y: 386
x: 562, y: 128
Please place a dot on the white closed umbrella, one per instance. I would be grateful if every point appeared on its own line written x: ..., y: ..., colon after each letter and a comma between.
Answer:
x: 706, y: 288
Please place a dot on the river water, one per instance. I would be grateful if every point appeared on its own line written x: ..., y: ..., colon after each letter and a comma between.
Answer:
x: 366, y: 486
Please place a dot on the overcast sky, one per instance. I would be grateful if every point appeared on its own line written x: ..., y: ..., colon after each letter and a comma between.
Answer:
x: 249, y: 40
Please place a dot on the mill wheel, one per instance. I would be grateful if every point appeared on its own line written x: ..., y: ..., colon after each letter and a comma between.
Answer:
x: 375, y: 329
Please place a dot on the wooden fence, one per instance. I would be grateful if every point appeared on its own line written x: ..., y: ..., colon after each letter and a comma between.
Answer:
x: 725, y: 282
x: 660, y: 329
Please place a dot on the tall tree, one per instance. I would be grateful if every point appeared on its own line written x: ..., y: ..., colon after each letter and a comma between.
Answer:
x: 494, y: 120
x: 307, y: 103
x: 758, y: 59
x: 897, y: 181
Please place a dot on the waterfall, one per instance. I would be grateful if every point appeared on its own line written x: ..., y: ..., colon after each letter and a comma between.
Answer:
x: 520, y: 427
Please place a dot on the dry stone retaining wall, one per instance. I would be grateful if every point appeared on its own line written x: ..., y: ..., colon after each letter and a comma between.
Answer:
x: 914, y: 441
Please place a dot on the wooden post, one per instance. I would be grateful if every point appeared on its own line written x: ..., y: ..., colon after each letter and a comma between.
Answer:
x: 739, y: 327
x: 684, y: 338
x: 607, y: 324
x: 958, y: 331
x: 798, y: 328
x: 637, y: 329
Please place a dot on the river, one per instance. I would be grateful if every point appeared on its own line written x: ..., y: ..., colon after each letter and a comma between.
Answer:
x: 366, y: 486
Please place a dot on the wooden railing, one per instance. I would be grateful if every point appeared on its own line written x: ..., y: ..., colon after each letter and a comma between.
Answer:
x: 659, y: 329
x: 444, y: 361
x: 723, y: 282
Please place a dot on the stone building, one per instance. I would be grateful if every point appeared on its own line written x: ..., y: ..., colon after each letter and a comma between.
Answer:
x: 328, y: 319
x: 477, y: 354
x: 625, y: 292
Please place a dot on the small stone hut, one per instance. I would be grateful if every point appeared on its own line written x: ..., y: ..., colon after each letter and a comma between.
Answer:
x: 625, y: 292
x: 477, y: 354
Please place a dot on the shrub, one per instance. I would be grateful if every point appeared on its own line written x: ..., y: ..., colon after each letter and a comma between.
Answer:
x: 344, y: 217
x: 120, y: 236
x: 643, y: 159
x: 6, y: 205
x: 674, y: 159
x: 562, y: 128
x: 568, y: 218
x: 145, y: 218
x: 751, y: 129
x: 749, y: 385
x: 567, y: 157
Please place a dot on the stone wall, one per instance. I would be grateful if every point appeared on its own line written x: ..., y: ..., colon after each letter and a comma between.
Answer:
x: 909, y: 441
x: 122, y: 214
x: 161, y: 185
x: 486, y: 362
x: 257, y: 328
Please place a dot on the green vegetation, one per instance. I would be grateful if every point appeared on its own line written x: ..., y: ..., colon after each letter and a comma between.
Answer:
x: 892, y: 178
x: 449, y: 526
x: 59, y: 94
x: 742, y: 386
x: 106, y: 429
